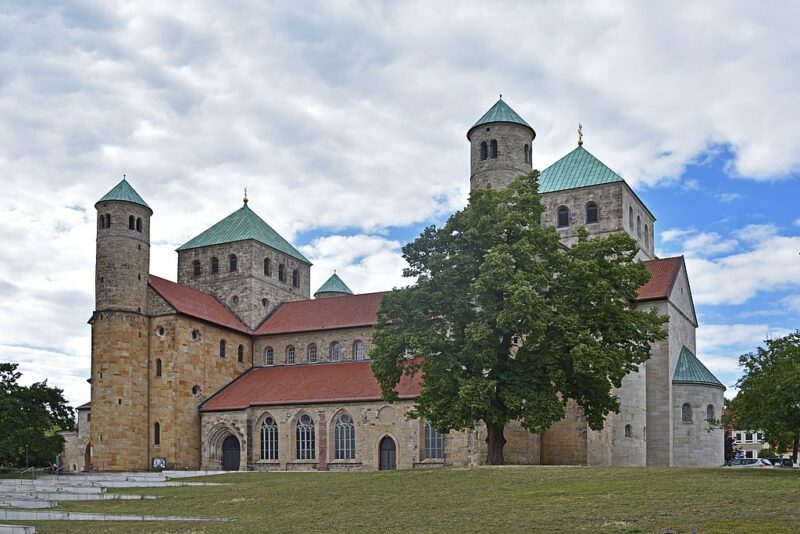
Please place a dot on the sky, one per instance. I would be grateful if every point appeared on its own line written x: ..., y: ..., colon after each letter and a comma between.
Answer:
x: 346, y: 122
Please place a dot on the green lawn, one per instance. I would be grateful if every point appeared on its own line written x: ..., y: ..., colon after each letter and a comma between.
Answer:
x: 508, y: 499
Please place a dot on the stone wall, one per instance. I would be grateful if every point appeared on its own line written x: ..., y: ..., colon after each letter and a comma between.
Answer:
x: 510, y: 161
x: 191, y: 371
x: 248, y: 292
x: 373, y: 421
x: 613, y: 202
x: 346, y: 337
x: 120, y: 361
x: 697, y: 443
x: 565, y: 442
x: 122, y: 258
x: 76, y: 442
x: 630, y: 448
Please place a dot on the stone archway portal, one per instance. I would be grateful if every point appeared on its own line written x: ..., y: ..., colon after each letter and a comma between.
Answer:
x: 230, y: 453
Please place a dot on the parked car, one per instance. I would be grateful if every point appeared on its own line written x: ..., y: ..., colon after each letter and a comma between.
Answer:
x: 781, y: 462
x: 749, y: 462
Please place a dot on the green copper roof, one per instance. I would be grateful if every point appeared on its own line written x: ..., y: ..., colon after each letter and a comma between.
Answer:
x: 334, y: 285
x: 690, y: 371
x: 241, y: 225
x: 579, y: 168
x: 500, y: 112
x: 124, y: 192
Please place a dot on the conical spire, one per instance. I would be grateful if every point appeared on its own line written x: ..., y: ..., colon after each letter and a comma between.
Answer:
x: 500, y: 112
x: 333, y: 287
x: 124, y: 192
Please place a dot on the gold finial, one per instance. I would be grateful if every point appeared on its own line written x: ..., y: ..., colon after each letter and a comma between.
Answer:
x: 245, y: 195
x: 580, y: 134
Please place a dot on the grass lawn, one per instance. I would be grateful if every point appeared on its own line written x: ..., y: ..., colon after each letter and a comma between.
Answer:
x: 510, y: 499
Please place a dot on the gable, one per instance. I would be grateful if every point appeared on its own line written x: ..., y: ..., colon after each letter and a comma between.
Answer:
x: 681, y: 295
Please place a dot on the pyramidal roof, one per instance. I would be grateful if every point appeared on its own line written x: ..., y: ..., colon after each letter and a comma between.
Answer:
x: 241, y: 225
x: 125, y: 192
x: 579, y: 168
x: 334, y: 284
x: 500, y: 112
x: 691, y: 371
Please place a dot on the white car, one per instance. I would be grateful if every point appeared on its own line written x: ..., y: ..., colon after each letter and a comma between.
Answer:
x: 749, y: 462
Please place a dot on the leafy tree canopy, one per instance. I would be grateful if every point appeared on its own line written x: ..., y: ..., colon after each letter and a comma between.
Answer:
x: 507, y: 324
x: 30, y: 415
x: 769, y: 392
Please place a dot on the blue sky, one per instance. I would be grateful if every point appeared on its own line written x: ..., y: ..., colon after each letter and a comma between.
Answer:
x: 347, y: 123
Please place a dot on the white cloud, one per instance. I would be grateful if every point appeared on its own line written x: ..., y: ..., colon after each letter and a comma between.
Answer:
x: 350, y: 119
x: 673, y: 234
x: 757, y: 232
x: 727, y: 198
x: 797, y: 222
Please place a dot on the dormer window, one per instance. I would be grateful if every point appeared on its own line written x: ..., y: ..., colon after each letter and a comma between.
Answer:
x: 562, y: 217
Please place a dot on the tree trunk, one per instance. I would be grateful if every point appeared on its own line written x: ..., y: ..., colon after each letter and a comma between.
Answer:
x: 495, y: 442
x: 794, y: 448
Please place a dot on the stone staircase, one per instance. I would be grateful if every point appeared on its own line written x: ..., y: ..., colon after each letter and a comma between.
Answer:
x: 17, y: 497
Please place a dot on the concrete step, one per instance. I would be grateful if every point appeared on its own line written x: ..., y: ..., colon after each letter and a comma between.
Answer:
x: 76, y: 497
x: 17, y: 529
x: 24, y: 515
x: 32, y: 503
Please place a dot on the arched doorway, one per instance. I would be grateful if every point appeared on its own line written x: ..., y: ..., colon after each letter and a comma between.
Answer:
x: 87, y: 458
x: 388, y: 454
x: 230, y: 453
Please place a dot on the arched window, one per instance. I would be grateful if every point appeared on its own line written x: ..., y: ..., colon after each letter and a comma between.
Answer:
x: 304, y: 434
x: 591, y: 213
x: 290, y: 355
x: 484, y: 151
x: 434, y: 443
x: 525, y: 149
x: 132, y: 223
x: 240, y: 354
x: 269, y: 439
x: 158, y: 366
x: 345, y: 438
x: 686, y: 413
x: 281, y: 273
x: 221, y: 348
x: 138, y: 224
x: 267, y: 267
x: 108, y: 220
x: 101, y: 222
x: 493, y: 149
x: 269, y: 356
x: 646, y: 237
x: 196, y: 268
x: 358, y: 350
x: 710, y: 413
x: 214, y: 265
x: 627, y: 431
x: 156, y: 434
x: 232, y: 264
x: 296, y: 278
x: 336, y: 351
x: 312, y: 353
x: 562, y: 217
x: 638, y: 227
x: 630, y: 217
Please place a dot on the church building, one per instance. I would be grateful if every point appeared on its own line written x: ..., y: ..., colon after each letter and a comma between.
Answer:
x: 235, y: 366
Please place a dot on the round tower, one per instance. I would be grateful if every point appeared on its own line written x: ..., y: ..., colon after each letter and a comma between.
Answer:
x: 500, y: 147
x: 123, y: 250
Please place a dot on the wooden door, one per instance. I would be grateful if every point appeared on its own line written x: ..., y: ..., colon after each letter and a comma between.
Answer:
x: 388, y: 454
x: 230, y: 454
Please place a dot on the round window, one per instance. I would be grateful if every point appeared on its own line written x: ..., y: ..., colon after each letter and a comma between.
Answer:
x: 305, y: 419
x: 344, y: 418
x: 160, y: 331
x: 269, y: 421
x: 235, y: 299
x: 195, y: 390
x: 264, y: 302
x: 195, y: 334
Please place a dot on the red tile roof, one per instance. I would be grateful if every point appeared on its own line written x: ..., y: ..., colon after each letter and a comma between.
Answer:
x: 306, y: 384
x: 86, y: 406
x: 197, y: 304
x: 346, y: 311
x: 663, y: 273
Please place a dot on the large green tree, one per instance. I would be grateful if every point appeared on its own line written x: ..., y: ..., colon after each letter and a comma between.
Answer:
x: 30, y: 416
x: 507, y: 324
x: 769, y: 392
